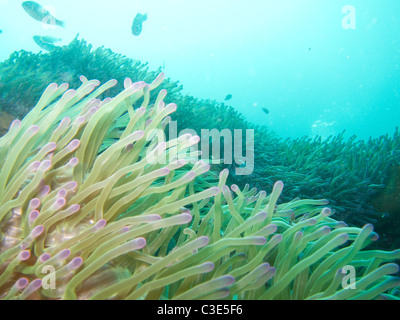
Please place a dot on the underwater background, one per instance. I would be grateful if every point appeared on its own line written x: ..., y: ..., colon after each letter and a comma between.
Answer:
x: 300, y: 70
x: 316, y: 81
x: 292, y: 57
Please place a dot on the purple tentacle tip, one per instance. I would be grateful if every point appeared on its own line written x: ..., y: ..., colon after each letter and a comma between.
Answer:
x: 203, y: 240
x: 37, y: 231
x: 45, y: 165
x: 36, y: 284
x: 75, y: 263
x: 185, y: 217
x: 326, y: 212
x: 227, y: 281
x: 33, y: 216
x: 261, y: 215
x: 34, y: 204
x: 73, y: 144
x: 21, y: 283
x: 138, y: 243
x: 278, y: 185
x: 24, y: 255
x: 208, y: 266
x: 64, y: 254
x: 100, y: 224
x: 44, y: 257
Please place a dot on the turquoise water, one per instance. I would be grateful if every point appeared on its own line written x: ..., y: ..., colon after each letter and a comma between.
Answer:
x: 292, y: 57
x: 301, y: 68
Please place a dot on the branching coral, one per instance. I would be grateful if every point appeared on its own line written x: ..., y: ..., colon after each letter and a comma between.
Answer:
x: 25, y: 75
x: 95, y: 203
x: 347, y: 172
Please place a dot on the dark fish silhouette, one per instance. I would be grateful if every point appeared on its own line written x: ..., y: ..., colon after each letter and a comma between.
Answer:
x: 37, y: 12
x: 228, y: 97
x: 1, y: 31
x: 266, y: 111
x: 137, y: 23
x: 46, y: 43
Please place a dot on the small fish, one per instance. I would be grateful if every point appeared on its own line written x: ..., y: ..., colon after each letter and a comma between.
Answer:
x: 1, y: 31
x: 266, y: 111
x: 50, y: 39
x: 37, y: 12
x: 137, y: 23
x: 41, y: 42
x: 228, y: 97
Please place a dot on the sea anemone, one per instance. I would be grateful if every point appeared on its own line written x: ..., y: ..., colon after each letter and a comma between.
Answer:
x: 95, y: 203
x: 348, y: 172
x: 74, y: 197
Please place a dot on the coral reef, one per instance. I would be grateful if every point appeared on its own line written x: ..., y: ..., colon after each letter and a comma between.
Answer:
x: 25, y: 75
x: 388, y: 200
x: 350, y: 173
x: 347, y: 172
x: 96, y: 203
